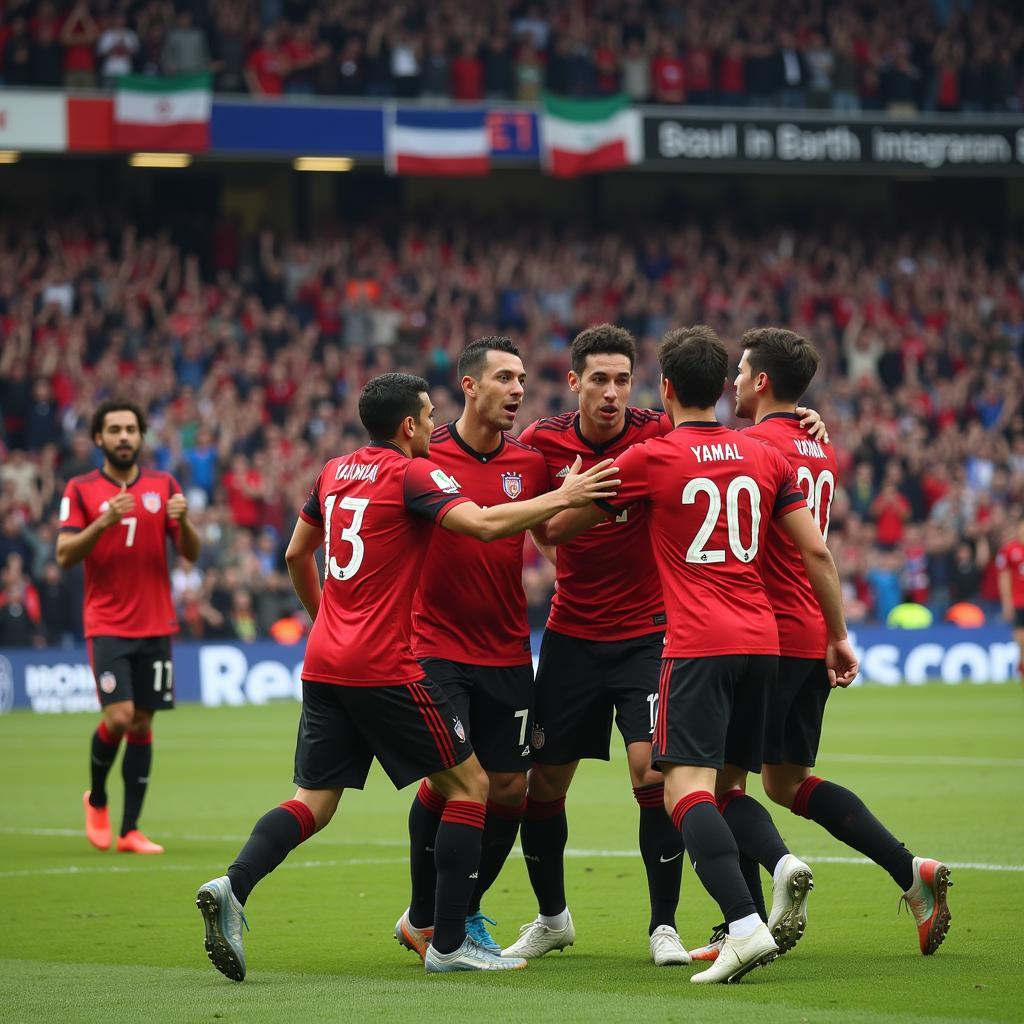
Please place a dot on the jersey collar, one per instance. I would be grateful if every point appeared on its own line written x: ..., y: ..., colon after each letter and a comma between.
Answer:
x: 706, y: 424
x: 479, y: 456
x: 604, y: 446
x: 779, y: 416
x: 117, y: 483
x: 387, y: 444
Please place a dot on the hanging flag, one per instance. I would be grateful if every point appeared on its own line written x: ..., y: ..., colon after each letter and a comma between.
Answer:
x: 162, y: 114
x: 424, y: 141
x: 587, y: 136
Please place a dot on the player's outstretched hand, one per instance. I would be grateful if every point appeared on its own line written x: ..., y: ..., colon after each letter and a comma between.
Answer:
x: 118, y: 507
x: 177, y: 506
x: 597, y: 482
x: 842, y: 663
x: 811, y: 421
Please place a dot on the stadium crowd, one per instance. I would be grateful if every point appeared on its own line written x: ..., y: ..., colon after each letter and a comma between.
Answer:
x: 842, y: 55
x: 249, y: 359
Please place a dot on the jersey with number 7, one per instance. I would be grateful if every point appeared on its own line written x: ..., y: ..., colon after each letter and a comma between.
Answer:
x: 802, y: 632
x: 711, y: 493
x: 127, y: 583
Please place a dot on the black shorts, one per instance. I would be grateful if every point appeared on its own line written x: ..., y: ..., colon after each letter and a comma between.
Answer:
x: 494, y: 705
x: 711, y: 710
x: 412, y: 729
x: 138, y: 669
x: 580, y: 683
x: 796, y: 707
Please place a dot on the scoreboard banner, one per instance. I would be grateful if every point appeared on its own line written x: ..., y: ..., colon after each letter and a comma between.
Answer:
x: 675, y: 139
x: 884, y: 145
x: 218, y: 673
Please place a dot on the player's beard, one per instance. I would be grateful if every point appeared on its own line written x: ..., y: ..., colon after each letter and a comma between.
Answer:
x: 120, y: 457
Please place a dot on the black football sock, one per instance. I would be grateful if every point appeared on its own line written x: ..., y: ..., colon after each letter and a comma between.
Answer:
x: 104, y: 751
x: 713, y: 853
x: 135, y: 768
x: 543, y: 835
x: 424, y: 818
x: 661, y: 847
x: 844, y: 815
x: 752, y: 825
x: 273, y: 837
x: 500, y: 831
x: 751, y: 872
x: 457, y: 860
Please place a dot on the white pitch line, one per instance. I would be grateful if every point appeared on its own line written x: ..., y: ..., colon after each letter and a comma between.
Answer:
x: 570, y: 853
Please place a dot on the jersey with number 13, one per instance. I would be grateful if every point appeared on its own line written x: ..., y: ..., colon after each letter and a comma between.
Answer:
x: 376, y: 508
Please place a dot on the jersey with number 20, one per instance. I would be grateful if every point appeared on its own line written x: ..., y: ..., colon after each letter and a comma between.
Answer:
x: 710, y: 493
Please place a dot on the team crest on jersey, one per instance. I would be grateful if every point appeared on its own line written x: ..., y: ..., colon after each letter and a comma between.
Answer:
x: 512, y: 484
x: 459, y: 730
x: 537, y: 739
x: 151, y: 501
x: 108, y: 682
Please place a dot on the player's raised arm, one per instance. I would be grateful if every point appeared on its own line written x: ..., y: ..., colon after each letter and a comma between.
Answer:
x: 821, y: 571
x: 302, y: 567
x: 812, y: 422
x: 577, y: 490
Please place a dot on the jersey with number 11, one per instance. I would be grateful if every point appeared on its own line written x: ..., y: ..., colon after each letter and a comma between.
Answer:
x: 376, y: 508
x: 802, y: 632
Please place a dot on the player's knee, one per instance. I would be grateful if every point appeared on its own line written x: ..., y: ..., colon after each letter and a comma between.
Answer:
x: 508, y: 789
x: 467, y: 781
x: 119, y: 717
x: 548, y: 782
x: 645, y: 776
x: 780, y: 789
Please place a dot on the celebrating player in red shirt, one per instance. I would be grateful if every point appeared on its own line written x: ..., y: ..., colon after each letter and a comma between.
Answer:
x: 364, y: 695
x: 1010, y: 566
x: 775, y: 370
x: 470, y: 631
x: 118, y: 519
x: 600, y: 656
x: 711, y: 493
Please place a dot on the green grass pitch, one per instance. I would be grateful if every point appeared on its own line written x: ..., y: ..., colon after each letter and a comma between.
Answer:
x: 88, y: 936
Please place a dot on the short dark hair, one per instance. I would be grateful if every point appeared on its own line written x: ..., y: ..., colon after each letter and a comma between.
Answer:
x: 789, y: 360
x: 474, y: 355
x: 696, y: 362
x: 115, y: 405
x: 386, y: 400
x: 600, y: 340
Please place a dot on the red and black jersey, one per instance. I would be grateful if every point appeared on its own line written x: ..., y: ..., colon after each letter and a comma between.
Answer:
x: 127, y: 582
x: 606, y: 583
x: 710, y: 493
x: 1011, y: 557
x: 802, y: 631
x: 376, y: 508
x: 470, y: 606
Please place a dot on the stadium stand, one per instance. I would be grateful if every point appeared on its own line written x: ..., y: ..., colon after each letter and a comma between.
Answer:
x: 845, y: 56
x: 249, y: 356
